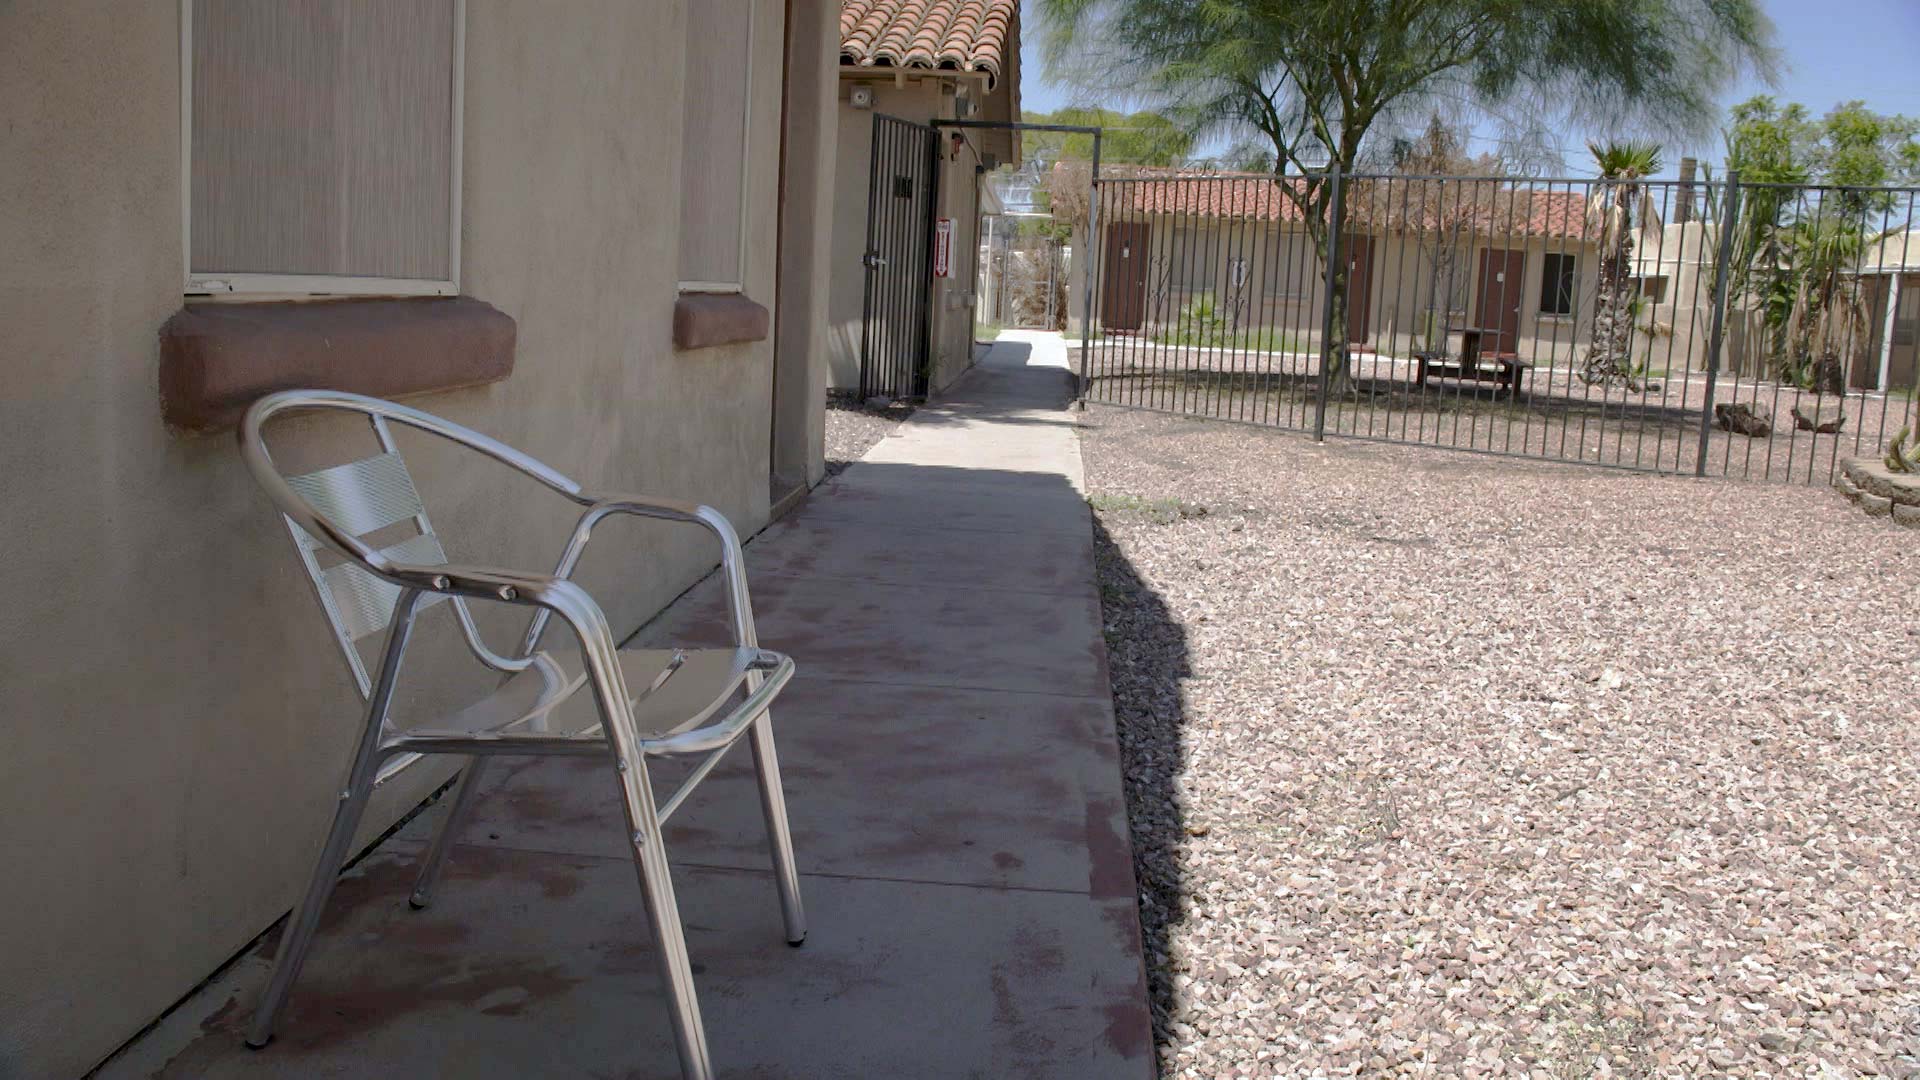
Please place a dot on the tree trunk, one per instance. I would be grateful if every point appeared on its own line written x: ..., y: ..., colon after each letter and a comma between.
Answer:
x: 1610, y: 354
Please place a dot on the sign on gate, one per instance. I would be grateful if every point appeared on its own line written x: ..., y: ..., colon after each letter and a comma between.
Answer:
x: 942, y: 246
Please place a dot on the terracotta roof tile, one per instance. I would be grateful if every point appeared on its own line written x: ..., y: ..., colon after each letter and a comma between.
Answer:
x: 1250, y: 196
x: 931, y: 35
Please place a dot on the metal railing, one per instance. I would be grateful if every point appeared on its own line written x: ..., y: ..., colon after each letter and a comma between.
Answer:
x: 1566, y: 319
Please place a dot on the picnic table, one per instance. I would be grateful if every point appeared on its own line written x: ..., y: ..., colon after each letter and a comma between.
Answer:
x: 1509, y: 373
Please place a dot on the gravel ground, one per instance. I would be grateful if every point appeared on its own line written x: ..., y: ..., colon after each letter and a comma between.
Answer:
x: 1446, y: 765
x: 853, y: 428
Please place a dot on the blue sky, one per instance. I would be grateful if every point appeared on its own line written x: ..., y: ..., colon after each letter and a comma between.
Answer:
x: 1834, y: 51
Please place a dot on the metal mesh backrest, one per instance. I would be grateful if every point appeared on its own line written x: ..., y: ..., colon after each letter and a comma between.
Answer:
x: 357, y: 513
x: 363, y: 498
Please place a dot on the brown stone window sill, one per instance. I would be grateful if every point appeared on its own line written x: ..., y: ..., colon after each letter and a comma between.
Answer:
x: 217, y: 358
x: 702, y: 320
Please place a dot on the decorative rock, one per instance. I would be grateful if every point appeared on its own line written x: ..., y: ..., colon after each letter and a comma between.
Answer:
x: 1907, y: 515
x: 1845, y: 486
x: 1362, y: 907
x: 1819, y: 419
x: 880, y: 402
x: 1742, y: 418
x: 1876, y: 505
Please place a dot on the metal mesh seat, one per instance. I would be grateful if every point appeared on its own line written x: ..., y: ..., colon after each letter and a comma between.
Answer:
x: 363, y: 535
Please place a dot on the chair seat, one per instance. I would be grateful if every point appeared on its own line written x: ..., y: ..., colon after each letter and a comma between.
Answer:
x: 673, y: 690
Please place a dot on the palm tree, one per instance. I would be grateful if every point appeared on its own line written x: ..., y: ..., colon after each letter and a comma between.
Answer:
x: 1829, y: 317
x: 1610, y: 214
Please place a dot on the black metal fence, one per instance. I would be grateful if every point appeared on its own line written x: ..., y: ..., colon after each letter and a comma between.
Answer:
x: 1572, y: 320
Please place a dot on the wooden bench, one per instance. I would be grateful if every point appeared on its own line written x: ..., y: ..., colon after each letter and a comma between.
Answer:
x: 1509, y: 374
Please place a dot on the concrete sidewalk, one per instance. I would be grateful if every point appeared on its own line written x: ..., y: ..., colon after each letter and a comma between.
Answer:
x: 953, y: 782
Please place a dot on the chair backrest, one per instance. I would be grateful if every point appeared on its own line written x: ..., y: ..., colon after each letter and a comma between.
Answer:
x: 336, y: 512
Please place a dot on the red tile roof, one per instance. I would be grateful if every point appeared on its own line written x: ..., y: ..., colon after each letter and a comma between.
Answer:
x: 931, y: 35
x: 1255, y: 197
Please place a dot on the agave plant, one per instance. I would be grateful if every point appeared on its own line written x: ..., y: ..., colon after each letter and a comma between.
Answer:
x: 1610, y: 221
x: 1904, y: 456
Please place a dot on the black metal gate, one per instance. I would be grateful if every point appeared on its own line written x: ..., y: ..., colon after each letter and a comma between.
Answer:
x: 901, y: 188
x: 1577, y: 320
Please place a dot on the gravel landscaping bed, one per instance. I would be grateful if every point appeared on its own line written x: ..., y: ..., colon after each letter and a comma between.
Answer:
x: 853, y: 428
x: 1447, y: 765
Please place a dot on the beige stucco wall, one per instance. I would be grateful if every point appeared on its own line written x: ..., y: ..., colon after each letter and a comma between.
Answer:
x: 920, y: 101
x: 1286, y: 290
x: 177, y: 721
x: 803, y: 332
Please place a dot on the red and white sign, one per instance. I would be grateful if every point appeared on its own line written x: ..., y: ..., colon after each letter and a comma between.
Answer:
x: 942, y: 246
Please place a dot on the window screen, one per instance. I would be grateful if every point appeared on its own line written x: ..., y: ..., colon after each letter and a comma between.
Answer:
x: 321, y: 135
x: 713, y: 168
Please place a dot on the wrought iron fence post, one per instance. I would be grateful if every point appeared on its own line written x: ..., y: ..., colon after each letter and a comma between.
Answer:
x: 1089, y: 274
x: 1327, y: 342
x: 1723, y: 272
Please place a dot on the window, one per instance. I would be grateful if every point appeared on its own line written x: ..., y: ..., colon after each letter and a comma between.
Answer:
x: 1191, y: 257
x: 1557, y: 284
x: 322, y: 146
x: 713, y: 164
x: 1654, y: 288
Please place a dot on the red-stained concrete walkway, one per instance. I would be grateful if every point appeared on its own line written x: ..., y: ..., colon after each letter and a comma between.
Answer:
x: 953, y: 782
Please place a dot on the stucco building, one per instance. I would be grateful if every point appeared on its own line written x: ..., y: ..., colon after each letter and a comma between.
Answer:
x: 920, y: 63
x: 594, y: 230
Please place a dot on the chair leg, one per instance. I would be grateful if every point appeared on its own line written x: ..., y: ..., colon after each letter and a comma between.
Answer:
x: 773, y: 804
x: 448, y: 831
x: 298, y: 935
x: 663, y: 918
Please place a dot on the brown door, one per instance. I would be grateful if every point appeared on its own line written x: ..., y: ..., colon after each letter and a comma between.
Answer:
x: 1123, y: 280
x: 1359, y: 252
x: 1497, y: 310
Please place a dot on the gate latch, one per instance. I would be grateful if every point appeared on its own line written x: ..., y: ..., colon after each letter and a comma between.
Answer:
x: 872, y: 260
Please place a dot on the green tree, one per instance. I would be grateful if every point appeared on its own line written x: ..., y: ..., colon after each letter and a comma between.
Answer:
x: 1314, y: 77
x: 1141, y: 138
x: 1795, y: 253
x: 1440, y: 216
x: 1610, y: 213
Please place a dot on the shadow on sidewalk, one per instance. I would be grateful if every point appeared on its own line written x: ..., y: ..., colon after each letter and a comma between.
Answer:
x: 1148, y: 659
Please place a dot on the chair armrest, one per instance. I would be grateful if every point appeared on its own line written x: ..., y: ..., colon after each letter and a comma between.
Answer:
x: 549, y: 593
x: 732, y: 559
x: 769, y: 673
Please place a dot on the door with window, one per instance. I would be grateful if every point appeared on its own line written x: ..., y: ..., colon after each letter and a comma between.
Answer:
x: 1497, y: 311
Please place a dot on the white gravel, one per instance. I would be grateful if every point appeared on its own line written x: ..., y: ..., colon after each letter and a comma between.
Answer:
x: 1445, y: 765
x: 853, y: 428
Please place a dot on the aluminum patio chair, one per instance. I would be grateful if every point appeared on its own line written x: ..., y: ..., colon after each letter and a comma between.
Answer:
x: 641, y: 702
